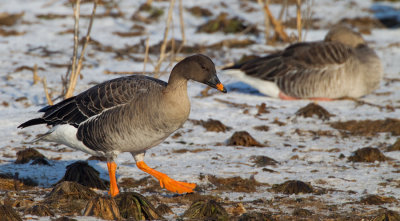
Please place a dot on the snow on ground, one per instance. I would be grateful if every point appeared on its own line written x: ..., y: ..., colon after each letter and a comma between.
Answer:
x: 302, y: 157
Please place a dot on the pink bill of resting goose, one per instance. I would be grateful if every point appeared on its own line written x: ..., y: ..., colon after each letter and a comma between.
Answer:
x: 128, y: 114
x: 340, y: 66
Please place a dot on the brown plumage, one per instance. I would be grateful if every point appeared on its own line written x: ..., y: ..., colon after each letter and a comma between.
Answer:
x: 340, y: 66
x: 128, y: 114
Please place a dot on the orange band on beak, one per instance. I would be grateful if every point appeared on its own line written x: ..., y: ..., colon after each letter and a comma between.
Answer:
x: 220, y: 87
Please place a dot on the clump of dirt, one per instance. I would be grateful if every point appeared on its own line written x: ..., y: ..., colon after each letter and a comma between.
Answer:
x: 39, y: 210
x: 314, y: 109
x: 236, y: 184
x: 377, y: 200
x: 262, y: 109
x: 134, y: 205
x: 41, y: 161
x: 206, y: 210
x: 261, y: 128
x: 255, y: 216
x: 369, y: 127
x: 164, y: 209
x: 387, y: 215
x: 146, y: 182
x: 310, y: 23
x: 262, y: 161
x: 302, y: 212
x: 227, y: 25
x: 82, y: 173
x: 395, y: 146
x: 7, y: 213
x: 102, y: 207
x: 153, y: 14
x: 237, y: 209
x: 199, y: 12
x: 292, y: 187
x: 367, y: 154
x: 7, y: 19
x: 363, y: 24
x: 13, y: 182
x: 24, y: 156
x: 69, y: 197
x: 243, y: 138
x: 102, y: 159
x: 212, y: 125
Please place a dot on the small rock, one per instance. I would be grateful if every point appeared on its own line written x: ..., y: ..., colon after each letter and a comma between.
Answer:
x: 134, y: 205
x: 262, y: 161
x: 39, y: 210
x: 243, y: 138
x: 302, y: 212
x: 292, y: 187
x: 314, y: 109
x: 103, y: 207
x: 24, y: 156
x: 367, y: 154
x: 395, y: 146
x: 82, y: 173
x: 206, y: 210
x: 7, y: 213
x: 377, y: 200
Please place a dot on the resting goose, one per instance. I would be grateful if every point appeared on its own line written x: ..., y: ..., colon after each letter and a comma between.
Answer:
x: 128, y: 114
x: 340, y: 66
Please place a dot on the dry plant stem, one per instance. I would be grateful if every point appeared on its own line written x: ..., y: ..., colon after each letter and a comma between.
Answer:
x: 146, y: 54
x: 299, y: 25
x: 36, y: 78
x: 164, y: 44
x: 278, y: 27
x: 266, y: 19
x: 182, y: 26
x: 46, y: 92
x: 76, y: 70
x: 71, y: 76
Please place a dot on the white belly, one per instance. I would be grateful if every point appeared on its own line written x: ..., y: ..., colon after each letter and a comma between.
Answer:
x: 66, y: 134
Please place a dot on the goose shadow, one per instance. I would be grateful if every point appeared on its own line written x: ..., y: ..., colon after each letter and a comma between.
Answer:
x: 46, y: 175
x: 243, y: 88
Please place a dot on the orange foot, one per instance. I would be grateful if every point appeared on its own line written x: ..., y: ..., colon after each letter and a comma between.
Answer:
x: 165, y: 181
x: 112, y: 167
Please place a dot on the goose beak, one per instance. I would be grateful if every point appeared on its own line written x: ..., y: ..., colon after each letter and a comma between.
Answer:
x: 221, y: 87
x: 215, y: 83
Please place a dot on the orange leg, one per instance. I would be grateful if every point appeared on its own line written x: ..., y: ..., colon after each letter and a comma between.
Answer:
x: 165, y: 181
x: 112, y: 167
x: 283, y: 96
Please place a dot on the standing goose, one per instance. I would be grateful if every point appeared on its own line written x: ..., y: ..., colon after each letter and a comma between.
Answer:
x: 340, y: 66
x: 128, y: 114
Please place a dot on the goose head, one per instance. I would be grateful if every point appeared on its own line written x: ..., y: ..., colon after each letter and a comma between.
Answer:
x: 199, y: 68
x: 345, y: 36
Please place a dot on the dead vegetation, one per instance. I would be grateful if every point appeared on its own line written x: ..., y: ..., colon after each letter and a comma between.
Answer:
x: 368, y: 127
